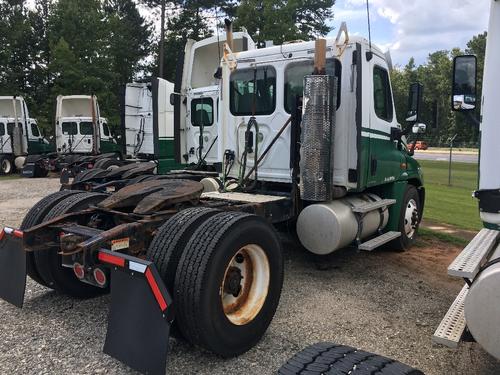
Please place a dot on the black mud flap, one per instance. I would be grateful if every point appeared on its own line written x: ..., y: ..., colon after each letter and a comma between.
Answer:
x: 140, y: 314
x: 12, y: 266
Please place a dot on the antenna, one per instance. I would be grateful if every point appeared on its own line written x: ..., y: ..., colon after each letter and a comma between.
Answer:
x: 369, y: 26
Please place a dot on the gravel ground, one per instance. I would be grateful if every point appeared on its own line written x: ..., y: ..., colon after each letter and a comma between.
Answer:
x: 385, y: 302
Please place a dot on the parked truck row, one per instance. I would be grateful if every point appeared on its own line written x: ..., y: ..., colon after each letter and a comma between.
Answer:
x: 304, y: 133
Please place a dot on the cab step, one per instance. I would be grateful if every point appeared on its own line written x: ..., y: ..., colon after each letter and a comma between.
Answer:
x: 379, y: 241
x: 372, y: 206
x: 470, y: 260
x: 451, y: 328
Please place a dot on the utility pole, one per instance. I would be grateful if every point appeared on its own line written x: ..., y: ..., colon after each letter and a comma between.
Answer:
x: 162, y: 40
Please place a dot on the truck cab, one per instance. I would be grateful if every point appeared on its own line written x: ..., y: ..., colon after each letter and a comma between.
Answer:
x: 80, y: 129
x: 19, y: 134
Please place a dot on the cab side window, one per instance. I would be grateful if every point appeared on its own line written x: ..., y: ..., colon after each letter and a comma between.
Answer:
x: 294, y: 79
x: 382, y: 97
x: 69, y: 128
x: 253, y: 91
x: 34, y: 130
x: 2, y: 129
x: 202, y: 112
x: 105, y: 129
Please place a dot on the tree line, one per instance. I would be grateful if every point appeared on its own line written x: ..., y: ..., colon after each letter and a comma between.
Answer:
x: 64, y: 47
x: 436, y: 76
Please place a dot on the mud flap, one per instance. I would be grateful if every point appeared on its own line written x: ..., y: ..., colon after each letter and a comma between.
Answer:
x: 139, y: 318
x: 12, y: 266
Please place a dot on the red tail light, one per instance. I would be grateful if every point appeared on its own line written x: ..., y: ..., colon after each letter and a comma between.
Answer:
x: 100, y: 277
x: 79, y: 270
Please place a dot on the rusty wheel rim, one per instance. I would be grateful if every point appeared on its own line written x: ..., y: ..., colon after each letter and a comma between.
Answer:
x: 245, y: 284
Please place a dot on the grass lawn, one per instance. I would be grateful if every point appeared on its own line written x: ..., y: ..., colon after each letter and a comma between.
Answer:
x: 9, y: 177
x: 453, y: 204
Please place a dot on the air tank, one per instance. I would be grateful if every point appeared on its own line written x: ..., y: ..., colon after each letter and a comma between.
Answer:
x: 482, y: 307
x: 325, y: 227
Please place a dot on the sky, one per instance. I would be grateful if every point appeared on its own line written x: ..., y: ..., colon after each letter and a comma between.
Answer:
x: 414, y: 28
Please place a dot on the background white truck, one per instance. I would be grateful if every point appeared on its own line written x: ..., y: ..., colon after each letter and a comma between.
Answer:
x: 477, y: 306
x: 19, y: 134
x: 82, y: 137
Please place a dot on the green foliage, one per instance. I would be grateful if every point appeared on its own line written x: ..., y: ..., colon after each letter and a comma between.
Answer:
x: 282, y: 21
x: 454, y: 204
x: 435, y: 75
x: 70, y: 47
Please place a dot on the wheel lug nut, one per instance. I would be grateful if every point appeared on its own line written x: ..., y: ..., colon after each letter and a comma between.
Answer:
x: 239, y: 258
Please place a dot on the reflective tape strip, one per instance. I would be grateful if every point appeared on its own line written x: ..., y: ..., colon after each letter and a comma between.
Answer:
x: 111, y: 259
x: 138, y: 267
x: 2, y: 233
x: 156, y: 290
x: 8, y: 230
x: 18, y: 233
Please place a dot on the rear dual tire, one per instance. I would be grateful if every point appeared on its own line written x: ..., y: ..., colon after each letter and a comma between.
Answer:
x: 228, y: 278
x: 49, y: 263
x: 36, y: 216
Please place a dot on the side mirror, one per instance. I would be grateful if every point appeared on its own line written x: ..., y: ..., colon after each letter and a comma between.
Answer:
x: 414, y: 102
x: 419, y: 128
x: 172, y: 99
x: 464, y: 83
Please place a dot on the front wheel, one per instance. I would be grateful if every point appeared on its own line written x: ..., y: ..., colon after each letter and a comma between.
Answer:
x: 6, y: 165
x: 409, y: 219
x: 228, y: 283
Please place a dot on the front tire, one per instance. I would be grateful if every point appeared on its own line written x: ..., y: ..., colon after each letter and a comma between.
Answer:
x: 409, y: 219
x: 228, y: 283
x: 6, y: 165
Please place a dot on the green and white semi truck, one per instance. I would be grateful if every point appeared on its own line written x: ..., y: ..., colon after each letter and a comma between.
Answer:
x: 304, y: 133
x: 19, y: 134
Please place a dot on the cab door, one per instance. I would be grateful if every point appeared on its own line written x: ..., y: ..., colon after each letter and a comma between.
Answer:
x: 201, y: 126
x: 384, y: 159
x: 5, y: 143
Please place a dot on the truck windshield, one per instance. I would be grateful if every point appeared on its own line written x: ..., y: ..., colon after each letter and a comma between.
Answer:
x: 253, y: 86
x: 86, y: 128
x: 294, y: 79
x: 69, y: 128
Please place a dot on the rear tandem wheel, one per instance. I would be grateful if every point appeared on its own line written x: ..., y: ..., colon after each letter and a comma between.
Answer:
x: 228, y: 283
x: 49, y: 262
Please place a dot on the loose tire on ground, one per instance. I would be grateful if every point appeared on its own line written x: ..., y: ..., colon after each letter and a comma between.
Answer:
x: 48, y: 263
x: 171, y: 239
x: 228, y: 283
x: 331, y: 359
x: 34, y: 217
x: 409, y: 219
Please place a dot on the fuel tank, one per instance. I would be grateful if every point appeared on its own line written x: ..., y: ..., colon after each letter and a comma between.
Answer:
x: 326, y: 227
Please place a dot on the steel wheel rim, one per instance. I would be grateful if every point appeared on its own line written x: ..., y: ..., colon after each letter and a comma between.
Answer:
x: 411, y: 218
x: 252, y: 265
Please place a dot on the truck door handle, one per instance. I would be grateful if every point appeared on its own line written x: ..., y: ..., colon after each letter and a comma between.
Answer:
x: 373, y: 166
